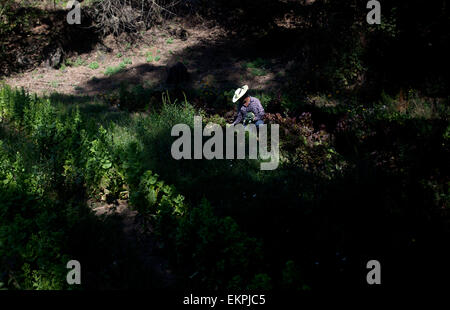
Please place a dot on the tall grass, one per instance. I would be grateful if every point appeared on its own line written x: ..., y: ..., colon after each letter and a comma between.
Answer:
x: 254, y: 227
x: 53, y: 158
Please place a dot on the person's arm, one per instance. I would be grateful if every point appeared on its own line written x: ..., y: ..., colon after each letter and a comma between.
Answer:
x: 239, y: 116
x: 258, y: 109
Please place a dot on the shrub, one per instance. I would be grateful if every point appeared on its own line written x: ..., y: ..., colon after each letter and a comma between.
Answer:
x: 263, y: 97
x: 6, y: 13
x: 127, y: 61
x: 94, y: 65
x: 133, y: 16
x: 215, y: 119
x: 306, y: 147
x: 258, y: 71
x: 115, y: 70
x: 216, y: 248
x: 153, y: 196
x: 53, y: 157
x: 79, y: 62
x: 32, y: 239
x: 33, y: 226
x: 13, y: 104
x: 102, y: 174
x: 261, y: 282
x: 70, y: 154
x: 257, y: 67
x: 135, y: 99
x: 291, y: 278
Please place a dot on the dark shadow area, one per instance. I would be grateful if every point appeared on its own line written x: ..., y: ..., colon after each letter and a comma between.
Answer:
x: 60, y: 225
x: 36, y: 35
x: 310, y: 47
x: 331, y: 227
x: 333, y: 47
x: 111, y: 258
x: 378, y: 189
x: 213, y: 67
x: 131, y: 76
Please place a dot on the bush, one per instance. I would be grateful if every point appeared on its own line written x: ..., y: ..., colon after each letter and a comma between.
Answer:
x: 153, y: 196
x: 115, y: 70
x: 215, y: 249
x: 306, y: 147
x: 130, y: 17
x: 137, y: 98
x: 76, y: 155
x: 32, y: 238
x: 33, y: 225
x: 94, y: 65
x: 54, y: 157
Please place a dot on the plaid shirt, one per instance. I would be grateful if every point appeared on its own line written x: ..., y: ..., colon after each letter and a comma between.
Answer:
x: 254, y: 106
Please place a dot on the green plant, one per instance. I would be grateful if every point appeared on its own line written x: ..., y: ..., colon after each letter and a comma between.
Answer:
x: 72, y: 154
x: 134, y: 99
x: 258, y: 71
x: 169, y: 41
x: 115, y: 70
x: 261, y: 282
x: 263, y: 97
x: 257, y: 67
x: 345, y: 67
x: 127, y: 61
x: 56, y: 156
x: 388, y: 25
x: 216, y: 119
x: 6, y: 12
x: 94, y: 65
x: 69, y: 62
x: 226, y: 98
x: 215, y: 266
x: 149, y: 56
x: 79, y: 62
x: 291, y: 277
x: 153, y: 195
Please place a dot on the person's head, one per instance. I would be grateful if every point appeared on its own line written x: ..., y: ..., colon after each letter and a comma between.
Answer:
x: 241, y: 95
x: 245, y: 100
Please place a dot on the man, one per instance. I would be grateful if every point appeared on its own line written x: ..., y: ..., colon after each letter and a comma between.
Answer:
x: 250, y: 109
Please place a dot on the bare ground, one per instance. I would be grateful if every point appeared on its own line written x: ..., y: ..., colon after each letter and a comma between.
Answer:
x: 209, y: 53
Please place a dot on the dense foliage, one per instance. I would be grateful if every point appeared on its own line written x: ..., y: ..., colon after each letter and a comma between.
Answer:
x: 363, y: 174
x: 49, y: 157
x: 268, y: 233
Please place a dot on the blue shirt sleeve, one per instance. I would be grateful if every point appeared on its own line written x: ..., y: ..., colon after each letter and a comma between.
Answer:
x: 257, y: 108
x: 241, y: 112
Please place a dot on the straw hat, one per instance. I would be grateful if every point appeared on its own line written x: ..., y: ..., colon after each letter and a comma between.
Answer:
x: 239, y: 93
